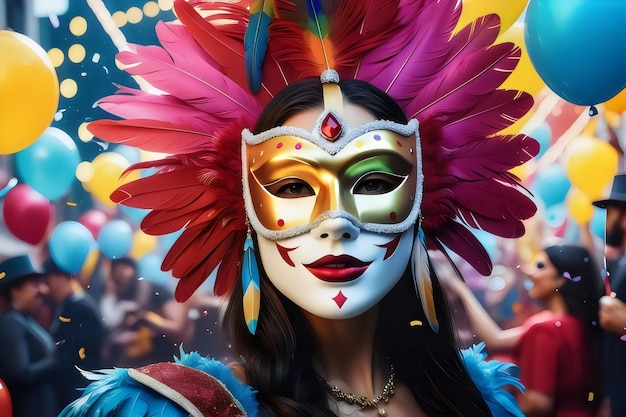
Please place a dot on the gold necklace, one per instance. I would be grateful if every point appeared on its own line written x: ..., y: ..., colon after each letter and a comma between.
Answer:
x: 363, y: 401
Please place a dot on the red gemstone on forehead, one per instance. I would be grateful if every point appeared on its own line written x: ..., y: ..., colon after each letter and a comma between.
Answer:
x: 330, y: 128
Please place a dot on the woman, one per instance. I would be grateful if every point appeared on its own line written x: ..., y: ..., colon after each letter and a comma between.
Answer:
x: 556, y: 349
x: 319, y: 216
x: 27, y: 361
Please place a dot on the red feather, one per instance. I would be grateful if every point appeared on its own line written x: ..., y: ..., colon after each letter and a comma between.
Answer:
x: 151, y: 135
x: 226, y: 50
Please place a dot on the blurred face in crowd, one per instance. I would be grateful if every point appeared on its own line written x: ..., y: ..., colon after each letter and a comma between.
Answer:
x: 545, y: 278
x: 27, y: 296
x: 122, y: 275
x: 60, y: 286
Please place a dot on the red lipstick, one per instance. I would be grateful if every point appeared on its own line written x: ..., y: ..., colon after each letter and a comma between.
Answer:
x: 342, y: 268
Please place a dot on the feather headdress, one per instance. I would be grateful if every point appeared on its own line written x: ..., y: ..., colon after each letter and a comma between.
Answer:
x: 404, y: 47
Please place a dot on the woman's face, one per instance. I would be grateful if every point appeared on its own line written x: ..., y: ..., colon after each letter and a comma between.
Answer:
x: 338, y: 270
x: 545, y: 278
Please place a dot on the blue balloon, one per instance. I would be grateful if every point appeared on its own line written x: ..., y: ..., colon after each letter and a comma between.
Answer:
x: 489, y: 242
x: 115, y: 239
x: 166, y: 241
x: 598, y: 222
x: 543, y: 135
x: 131, y: 154
x: 555, y: 215
x: 551, y: 185
x: 135, y: 215
x: 70, y: 243
x: 578, y: 47
x: 49, y: 164
x: 149, y: 267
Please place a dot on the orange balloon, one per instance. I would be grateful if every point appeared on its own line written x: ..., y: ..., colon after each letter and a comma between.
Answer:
x: 30, y: 92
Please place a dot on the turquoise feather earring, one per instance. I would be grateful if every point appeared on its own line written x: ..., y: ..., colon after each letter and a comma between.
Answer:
x: 251, y: 285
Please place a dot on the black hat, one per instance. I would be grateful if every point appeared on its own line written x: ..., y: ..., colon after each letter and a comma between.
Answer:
x: 51, y: 267
x: 618, y: 193
x: 16, y: 269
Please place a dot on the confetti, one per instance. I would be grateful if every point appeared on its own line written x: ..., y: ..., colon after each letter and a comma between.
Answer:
x: 59, y: 342
x: 64, y: 319
x: 81, y: 353
x: 71, y: 203
x: 414, y: 323
x: 54, y: 20
x: 568, y: 276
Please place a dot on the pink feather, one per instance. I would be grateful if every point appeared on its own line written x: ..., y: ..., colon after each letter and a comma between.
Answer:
x: 151, y: 135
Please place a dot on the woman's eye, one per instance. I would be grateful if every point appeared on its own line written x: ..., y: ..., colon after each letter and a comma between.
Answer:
x: 377, y: 183
x: 290, y: 188
x: 540, y: 265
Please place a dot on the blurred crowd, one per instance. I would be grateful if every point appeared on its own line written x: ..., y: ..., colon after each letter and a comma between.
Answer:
x: 541, y: 309
x: 53, y: 327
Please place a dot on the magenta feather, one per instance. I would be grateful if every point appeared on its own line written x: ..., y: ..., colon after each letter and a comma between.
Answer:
x: 130, y: 103
x: 485, y: 117
x: 202, y: 87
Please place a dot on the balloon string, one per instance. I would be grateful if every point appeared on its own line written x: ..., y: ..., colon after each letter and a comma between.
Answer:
x: 119, y: 40
x: 106, y: 21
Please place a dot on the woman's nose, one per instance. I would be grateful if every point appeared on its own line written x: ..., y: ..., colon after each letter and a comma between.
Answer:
x: 336, y: 229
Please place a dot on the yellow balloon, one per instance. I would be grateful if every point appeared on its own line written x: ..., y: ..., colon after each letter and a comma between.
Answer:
x: 591, y: 165
x: 509, y: 11
x: 142, y: 244
x: 579, y: 206
x: 88, y: 268
x: 524, y: 77
x: 30, y: 91
x: 107, y: 171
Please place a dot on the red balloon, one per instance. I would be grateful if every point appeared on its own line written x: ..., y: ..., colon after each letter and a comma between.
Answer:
x: 27, y: 214
x: 93, y: 220
x: 6, y: 407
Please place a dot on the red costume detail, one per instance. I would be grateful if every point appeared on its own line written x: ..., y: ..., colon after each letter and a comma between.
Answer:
x: 331, y: 128
x: 204, y: 392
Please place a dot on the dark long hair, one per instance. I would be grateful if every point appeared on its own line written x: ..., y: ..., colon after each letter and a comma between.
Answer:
x: 581, y: 292
x: 583, y: 287
x: 278, y: 359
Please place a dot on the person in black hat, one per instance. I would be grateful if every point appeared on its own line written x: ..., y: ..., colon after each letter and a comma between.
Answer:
x: 27, y: 361
x: 612, y: 313
x: 76, y: 328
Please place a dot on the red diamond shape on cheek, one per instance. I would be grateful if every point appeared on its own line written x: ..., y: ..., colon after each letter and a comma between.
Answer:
x: 339, y: 299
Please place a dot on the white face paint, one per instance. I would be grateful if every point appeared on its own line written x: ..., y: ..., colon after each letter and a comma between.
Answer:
x: 336, y: 270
